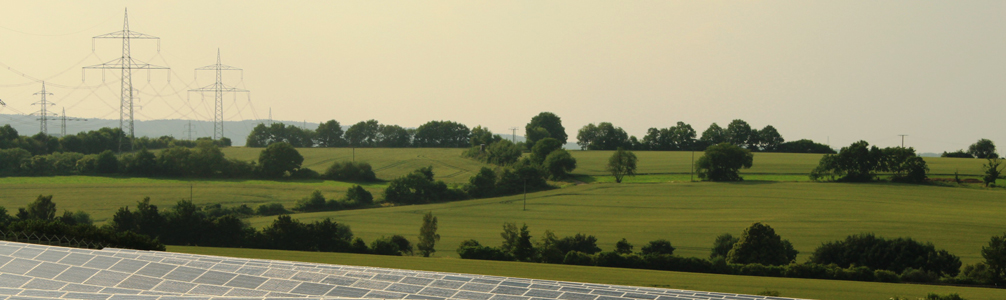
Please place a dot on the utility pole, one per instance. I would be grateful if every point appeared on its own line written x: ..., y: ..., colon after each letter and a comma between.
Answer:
x: 270, y: 116
x: 513, y: 137
x: 692, y: 171
x: 188, y: 129
x: 62, y: 129
x: 126, y: 64
x: 903, y: 140
x: 43, y: 113
x: 218, y: 88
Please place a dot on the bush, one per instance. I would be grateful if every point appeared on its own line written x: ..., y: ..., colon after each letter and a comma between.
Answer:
x: 957, y: 154
x: 578, y: 258
x: 418, y: 187
x: 721, y: 162
x: 500, y: 153
x: 809, y: 270
x: 879, y: 253
x: 482, y: 184
x: 271, y: 209
x: 559, y: 164
x: 760, y: 244
x: 934, y: 296
x: 658, y: 247
x: 305, y: 173
x: 886, y: 276
x: 358, y: 196
x: 471, y: 249
x: 350, y: 171
x: 918, y: 276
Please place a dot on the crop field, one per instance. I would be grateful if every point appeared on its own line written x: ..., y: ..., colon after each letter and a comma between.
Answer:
x: 691, y: 215
x: 787, y: 287
x: 102, y: 196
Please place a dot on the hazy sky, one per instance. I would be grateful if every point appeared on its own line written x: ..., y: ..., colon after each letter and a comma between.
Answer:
x: 836, y: 71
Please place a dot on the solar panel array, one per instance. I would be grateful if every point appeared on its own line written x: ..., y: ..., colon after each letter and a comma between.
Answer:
x: 30, y: 271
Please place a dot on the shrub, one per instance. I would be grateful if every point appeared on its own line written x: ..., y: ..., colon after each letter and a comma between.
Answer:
x: 722, y: 162
x: 500, y: 153
x: 957, y: 154
x: 271, y: 209
x: 559, y: 164
x: 918, y: 276
x: 578, y: 258
x: 350, y: 171
x: 658, y: 247
x: 471, y: 249
x: 886, y: 276
x: 808, y: 270
x: 760, y: 244
x: 882, y: 254
x: 358, y: 196
x: 482, y: 184
x: 385, y: 246
x: 416, y: 188
x: 934, y: 296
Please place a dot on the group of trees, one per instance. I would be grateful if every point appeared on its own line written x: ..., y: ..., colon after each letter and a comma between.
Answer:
x: 40, y: 217
x: 983, y: 148
x: 419, y: 186
x: 91, y: 142
x: 861, y: 162
x: 759, y: 251
x: 682, y: 137
x: 370, y: 133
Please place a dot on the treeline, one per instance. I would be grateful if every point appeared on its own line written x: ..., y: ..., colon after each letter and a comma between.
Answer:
x: 188, y: 224
x: 759, y: 251
x: 91, y: 142
x: 682, y: 137
x: 861, y: 162
x: 370, y: 133
x: 40, y: 217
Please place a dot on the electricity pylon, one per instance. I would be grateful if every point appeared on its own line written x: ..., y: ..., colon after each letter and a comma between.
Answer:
x: 126, y: 64
x: 218, y: 88
x: 43, y: 113
x: 62, y: 129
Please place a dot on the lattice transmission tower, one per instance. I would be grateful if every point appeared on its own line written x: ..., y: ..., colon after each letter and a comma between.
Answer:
x: 43, y: 112
x: 62, y: 128
x: 218, y: 88
x: 126, y: 64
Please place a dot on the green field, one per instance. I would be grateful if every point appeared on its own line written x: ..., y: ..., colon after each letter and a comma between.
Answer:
x: 787, y: 287
x: 691, y: 215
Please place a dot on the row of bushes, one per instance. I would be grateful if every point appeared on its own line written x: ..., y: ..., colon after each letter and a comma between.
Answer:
x: 92, y: 142
x: 40, y: 217
x: 861, y: 162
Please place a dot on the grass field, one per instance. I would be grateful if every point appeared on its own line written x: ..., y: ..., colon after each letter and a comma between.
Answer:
x: 787, y: 287
x: 691, y: 215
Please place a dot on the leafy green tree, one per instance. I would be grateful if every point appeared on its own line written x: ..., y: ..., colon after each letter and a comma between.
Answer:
x: 41, y: 209
x: 622, y: 163
x: 722, y: 162
x: 906, y: 166
x: 517, y: 242
x: 983, y: 148
x: 350, y: 171
x: 543, y: 147
x: 714, y: 135
x: 993, y: 170
x: 722, y: 245
x: 739, y: 134
x: 394, y: 136
x: 442, y: 134
x: 143, y: 163
x: 769, y: 139
x: 995, y: 257
x: 107, y: 163
x: 559, y: 164
x: 548, y: 250
x: 404, y: 246
x: 428, y: 236
x: 416, y: 188
x: 544, y: 125
x: 363, y: 134
x: 623, y: 247
x: 857, y: 162
x: 804, y: 146
x: 482, y: 136
x: 579, y: 243
x: 482, y: 184
x: 897, y: 255
x: 603, y: 136
x: 957, y: 154
x: 658, y: 247
x: 760, y: 244
x: 278, y: 160
x: 678, y: 137
x: 329, y: 134
x: 359, y: 195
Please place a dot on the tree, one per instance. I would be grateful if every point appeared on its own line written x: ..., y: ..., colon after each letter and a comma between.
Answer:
x: 714, y: 135
x: 544, y: 125
x: 623, y: 247
x: 995, y: 257
x: 359, y: 195
x: 658, y: 247
x: 993, y: 170
x: 442, y: 134
x: 857, y: 162
x: 482, y: 185
x: 107, y: 163
x: 41, y: 209
x: 516, y: 242
x: 559, y: 164
x: 769, y: 139
x: 543, y: 148
x: 278, y: 160
x: 603, y: 136
x: 622, y: 163
x: 363, y: 134
x: 983, y: 148
x: 428, y: 236
x: 722, y: 162
x: 394, y: 136
x: 740, y: 134
x: 722, y: 245
x: 804, y: 146
x: 329, y: 134
x: 482, y: 136
x: 759, y: 244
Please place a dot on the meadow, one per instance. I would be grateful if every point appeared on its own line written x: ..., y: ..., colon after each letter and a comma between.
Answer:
x: 787, y: 287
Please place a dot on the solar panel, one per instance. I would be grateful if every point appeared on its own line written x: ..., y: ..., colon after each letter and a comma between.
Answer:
x: 139, y: 282
x: 47, y: 270
x: 13, y: 281
x: 209, y: 290
x: 245, y: 281
x: 348, y: 292
x: 18, y: 266
x: 27, y: 253
x: 543, y: 294
x: 437, y: 292
x: 385, y: 295
x: 238, y: 292
x: 76, y: 274
x: 102, y: 262
x: 155, y: 269
x: 174, y: 287
x: 74, y: 287
x: 214, y: 278
x: 51, y: 255
x: 86, y: 296
x: 107, y: 278
x: 308, y: 288
x: 184, y: 274
x: 278, y: 285
x: 43, y: 294
x: 76, y: 259
x: 43, y: 284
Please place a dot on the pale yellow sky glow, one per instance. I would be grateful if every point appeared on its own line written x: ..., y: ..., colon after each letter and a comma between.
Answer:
x: 825, y: 70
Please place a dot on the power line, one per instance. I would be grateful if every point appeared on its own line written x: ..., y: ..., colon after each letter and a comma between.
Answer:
x: 188, y: 129
x: 62, y: 129
x: 218, y: 88
x: 126, y: 64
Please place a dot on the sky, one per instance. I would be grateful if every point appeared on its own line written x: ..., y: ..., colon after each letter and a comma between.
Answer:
x: 832, y: 71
